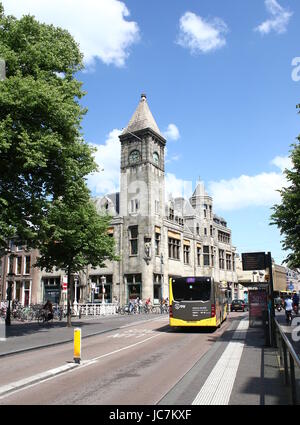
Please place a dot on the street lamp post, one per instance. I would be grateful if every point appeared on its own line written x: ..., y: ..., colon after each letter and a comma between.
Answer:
x: 103, y: 281
x: 10, y: 279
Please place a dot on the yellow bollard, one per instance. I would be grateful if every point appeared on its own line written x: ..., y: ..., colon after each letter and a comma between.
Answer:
x: 77, y: 345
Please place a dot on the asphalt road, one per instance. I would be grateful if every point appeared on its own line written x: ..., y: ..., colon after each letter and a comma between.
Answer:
x: 138, y: 364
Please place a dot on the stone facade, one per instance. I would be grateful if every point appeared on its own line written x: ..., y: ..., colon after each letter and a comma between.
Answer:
x: 157, y: 239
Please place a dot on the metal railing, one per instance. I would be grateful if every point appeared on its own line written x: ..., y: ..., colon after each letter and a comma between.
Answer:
x: 289, y: 362
x: 96, y: 309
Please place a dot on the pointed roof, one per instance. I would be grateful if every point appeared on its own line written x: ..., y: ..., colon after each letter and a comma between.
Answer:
x: 199, y: 190
x: 142, y: 118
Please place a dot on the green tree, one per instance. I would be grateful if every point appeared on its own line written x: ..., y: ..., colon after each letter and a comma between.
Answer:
x: 74, y: 236
x: 41, y: 147
x: 287, y: 214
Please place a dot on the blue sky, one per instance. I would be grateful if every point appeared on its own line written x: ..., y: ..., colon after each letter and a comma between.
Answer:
x: 220, y: 72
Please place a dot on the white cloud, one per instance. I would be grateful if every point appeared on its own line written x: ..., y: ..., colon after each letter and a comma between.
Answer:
x: 200, y: 35
x: 177, y: 187
x: 279, y: 18
x: 282, y: 162
x: 107, y: 157
x: 172, y: 132
x: 99, y: 26
x: 248, y: 191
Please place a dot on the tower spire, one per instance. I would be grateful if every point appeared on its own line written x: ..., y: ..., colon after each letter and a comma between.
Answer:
x: 142, y: 118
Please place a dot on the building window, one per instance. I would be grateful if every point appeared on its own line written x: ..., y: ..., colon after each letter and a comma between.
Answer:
x: 228, y: 261
x: 221, y: 259
x: 134, y: 286
x: 10, y: 264
x: 174, y: 248
x: 27, y: 264
x: 134, y: 157
x: 157, y: 243
x: 96, y: 279
x: 233, y: 263
x: 205, y: 231
x: 157, y: 293
x: 26, y: 293
x: 171, y: 214
x: 223, y: 237
x: 19, y: 265
x: 198, y: 229
x: 133, y: 240
x: 186, y: 254
x: 206, y: 255
x: 52, y: 289
x: 198, y: 256
x: 134, y: 205
x: 212, y: 256
x: 211, y: 231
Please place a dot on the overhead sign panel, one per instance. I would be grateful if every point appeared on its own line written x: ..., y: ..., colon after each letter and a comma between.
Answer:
x: 254, y: 261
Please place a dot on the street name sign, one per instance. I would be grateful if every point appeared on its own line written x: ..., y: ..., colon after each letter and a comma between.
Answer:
x: 254, y: 261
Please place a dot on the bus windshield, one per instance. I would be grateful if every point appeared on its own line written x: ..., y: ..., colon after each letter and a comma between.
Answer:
x: 184, y: 289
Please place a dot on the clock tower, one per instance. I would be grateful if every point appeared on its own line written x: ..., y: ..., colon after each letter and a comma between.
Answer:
x: 142, y: 194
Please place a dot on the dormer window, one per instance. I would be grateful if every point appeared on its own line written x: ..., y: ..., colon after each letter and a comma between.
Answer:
x: 134, y: 157
x: 155, y: 158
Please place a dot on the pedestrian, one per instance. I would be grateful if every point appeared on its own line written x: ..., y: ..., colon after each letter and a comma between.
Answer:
x: 288, y: 305
x: 130, y: 306
x: 296, y: 302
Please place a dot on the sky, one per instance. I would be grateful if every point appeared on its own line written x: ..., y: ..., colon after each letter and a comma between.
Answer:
x: 222, y: 80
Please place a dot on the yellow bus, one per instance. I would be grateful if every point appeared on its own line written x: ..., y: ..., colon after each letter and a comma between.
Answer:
x: 197, y: 301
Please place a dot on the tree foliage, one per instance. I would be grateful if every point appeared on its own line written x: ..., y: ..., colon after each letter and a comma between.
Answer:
x: 74, y: 236
x: 287, y: 214
x: 41, y: 147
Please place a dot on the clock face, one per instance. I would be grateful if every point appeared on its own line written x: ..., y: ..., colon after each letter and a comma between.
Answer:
x: 134, y: 157
x: 155, y: 158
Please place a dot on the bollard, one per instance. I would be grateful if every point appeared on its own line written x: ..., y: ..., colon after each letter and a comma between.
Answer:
x: 77, y: 345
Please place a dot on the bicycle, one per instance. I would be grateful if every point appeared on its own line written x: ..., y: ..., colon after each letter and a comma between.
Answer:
x: 44, y: 317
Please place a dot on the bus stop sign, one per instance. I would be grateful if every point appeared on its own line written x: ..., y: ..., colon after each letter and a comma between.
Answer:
x: 254, y: 261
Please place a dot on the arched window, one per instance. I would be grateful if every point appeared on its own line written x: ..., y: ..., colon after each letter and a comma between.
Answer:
x: 134, y: 156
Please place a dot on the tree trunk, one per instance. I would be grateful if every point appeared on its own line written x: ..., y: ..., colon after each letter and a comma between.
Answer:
x: 69, y: 322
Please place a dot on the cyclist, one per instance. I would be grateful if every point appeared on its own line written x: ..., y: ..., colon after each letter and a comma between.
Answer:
x: 147, y: 305
x: 48, y: 310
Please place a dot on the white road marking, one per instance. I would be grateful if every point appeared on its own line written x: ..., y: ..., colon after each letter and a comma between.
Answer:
x: 22, y: 384
x: 35, y: 378
x: 218, y: 386
x: 132, y: 333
